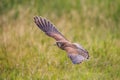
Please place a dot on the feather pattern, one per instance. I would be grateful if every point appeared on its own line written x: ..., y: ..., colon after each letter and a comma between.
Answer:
x: 75, y: 51
x: 76, y: 59
x: 48, y: 28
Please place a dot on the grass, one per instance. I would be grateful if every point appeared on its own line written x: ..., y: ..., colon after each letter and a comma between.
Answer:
x: 27, y: 53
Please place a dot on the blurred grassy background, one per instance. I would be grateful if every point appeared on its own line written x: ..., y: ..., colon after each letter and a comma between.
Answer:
x: 26, y: 53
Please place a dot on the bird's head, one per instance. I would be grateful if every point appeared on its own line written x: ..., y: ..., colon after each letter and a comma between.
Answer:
x: 59, y: 44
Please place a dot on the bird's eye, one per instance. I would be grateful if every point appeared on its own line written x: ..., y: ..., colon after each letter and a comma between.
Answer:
x: 58, y: 44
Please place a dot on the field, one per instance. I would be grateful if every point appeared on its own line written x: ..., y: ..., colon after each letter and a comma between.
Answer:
x: 26, y: 53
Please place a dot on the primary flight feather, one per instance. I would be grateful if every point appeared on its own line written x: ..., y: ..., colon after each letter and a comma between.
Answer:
x: 74, y: 50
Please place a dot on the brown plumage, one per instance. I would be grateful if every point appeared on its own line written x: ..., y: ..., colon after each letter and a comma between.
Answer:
x: 75, y: 51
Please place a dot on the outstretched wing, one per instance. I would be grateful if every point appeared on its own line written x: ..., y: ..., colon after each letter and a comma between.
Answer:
x: 76, y: 54
x: 76, y: 58
x: 47, y: 27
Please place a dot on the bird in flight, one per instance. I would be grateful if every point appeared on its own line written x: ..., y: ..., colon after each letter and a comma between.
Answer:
x: 75, y: 51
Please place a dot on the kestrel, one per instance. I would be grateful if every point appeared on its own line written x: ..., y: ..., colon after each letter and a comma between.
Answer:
x: 75, y: 51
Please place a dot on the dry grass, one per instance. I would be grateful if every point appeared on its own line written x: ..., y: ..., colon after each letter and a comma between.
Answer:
x: 26, y: 53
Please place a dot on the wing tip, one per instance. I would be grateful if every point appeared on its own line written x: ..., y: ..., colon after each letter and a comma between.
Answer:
x: 36, y: 18
x: 77, y: 59
x: 39, y: 22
